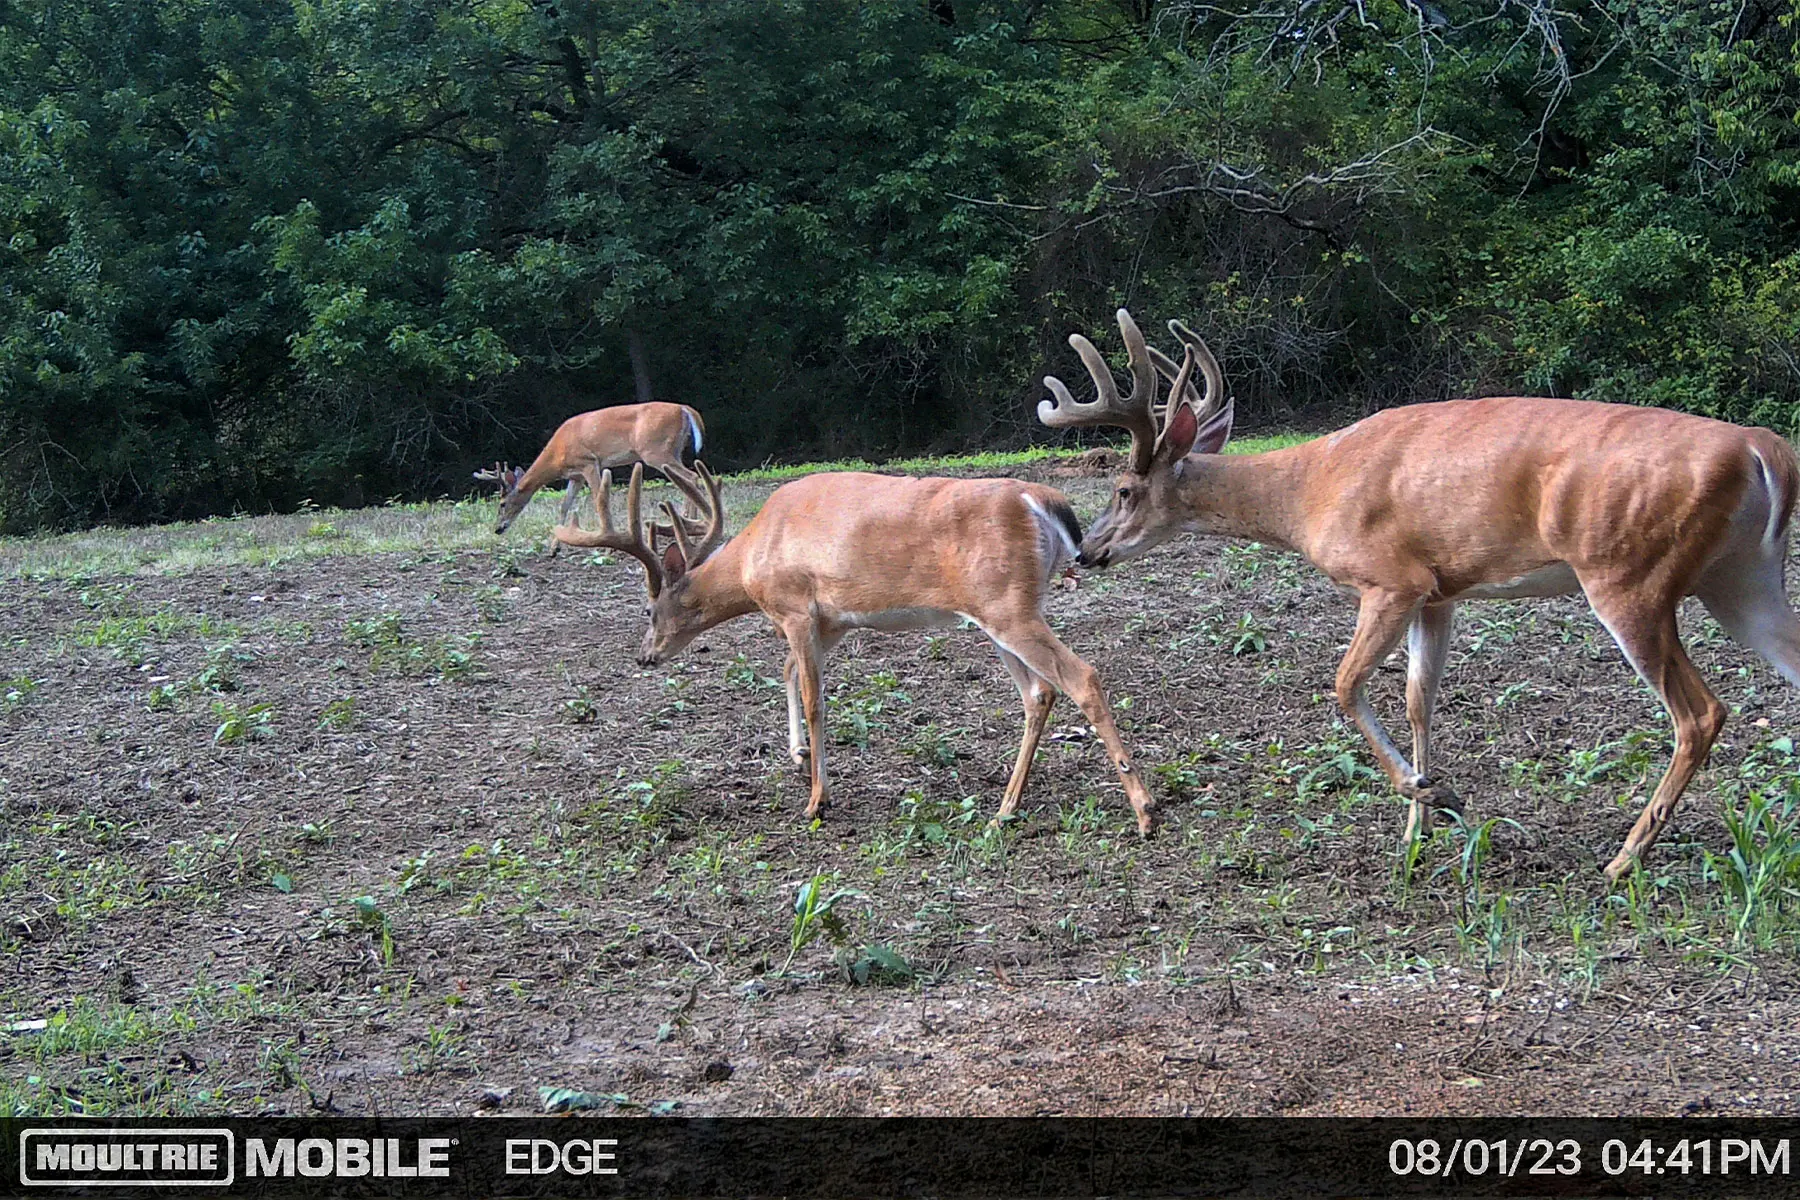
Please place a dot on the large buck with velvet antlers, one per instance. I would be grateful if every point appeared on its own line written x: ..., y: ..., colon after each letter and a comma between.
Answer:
x: 841, y: 551
x: 1416, y: 509
x: 588, y: 443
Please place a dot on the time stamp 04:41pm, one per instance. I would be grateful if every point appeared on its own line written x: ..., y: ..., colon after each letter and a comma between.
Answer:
x: 1567, y: 1156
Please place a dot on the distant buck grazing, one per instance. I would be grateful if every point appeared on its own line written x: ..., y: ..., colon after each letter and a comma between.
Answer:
x: 656, y: 435
x: 1415, y: 509
x: 834, y: 552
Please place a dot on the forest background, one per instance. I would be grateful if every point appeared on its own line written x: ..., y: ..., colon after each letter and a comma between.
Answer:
x: 260, y: 252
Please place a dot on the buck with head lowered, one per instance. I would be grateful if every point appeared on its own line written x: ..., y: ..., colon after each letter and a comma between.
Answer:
x: 655, y: 434
x: 1416, y: 509
x: 834, y: 552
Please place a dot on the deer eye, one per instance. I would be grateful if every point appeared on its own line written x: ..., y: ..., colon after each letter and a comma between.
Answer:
x: 1124, y: 493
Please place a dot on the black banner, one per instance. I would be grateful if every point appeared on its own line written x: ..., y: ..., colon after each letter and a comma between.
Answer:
x: 898, y: 1157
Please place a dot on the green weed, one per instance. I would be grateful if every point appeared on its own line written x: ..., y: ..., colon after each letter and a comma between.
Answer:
x: 241, y: 724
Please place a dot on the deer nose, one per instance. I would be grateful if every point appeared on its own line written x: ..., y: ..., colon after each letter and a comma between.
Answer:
x: 1084, y: 559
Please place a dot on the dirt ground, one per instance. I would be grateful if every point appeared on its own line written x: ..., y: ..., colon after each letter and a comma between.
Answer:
x: 513, y: 860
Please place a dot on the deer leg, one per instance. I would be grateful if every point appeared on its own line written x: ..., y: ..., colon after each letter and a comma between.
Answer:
x: 1380, y: 622
x: 1032, y: 642
x: 1747, y: 598
x: 1427, y: 648
x: 1038, y: 697
x: 1645, y: 630
x: 570, y: 495
x: 796, y: 716
x: 807, y: 653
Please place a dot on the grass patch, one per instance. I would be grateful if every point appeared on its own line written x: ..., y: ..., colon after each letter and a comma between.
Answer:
x: 427, y: 528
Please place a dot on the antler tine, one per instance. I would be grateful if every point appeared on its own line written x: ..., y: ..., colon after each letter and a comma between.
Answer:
x: 1216, y: 398
x: 1134, y: 413
x: 629, y: 541
x: 714, y: 512
x: 688, y: 484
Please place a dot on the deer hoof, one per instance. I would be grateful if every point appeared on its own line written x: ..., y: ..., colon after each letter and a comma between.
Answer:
x: 1436, y: 796
x: 1620, y: 867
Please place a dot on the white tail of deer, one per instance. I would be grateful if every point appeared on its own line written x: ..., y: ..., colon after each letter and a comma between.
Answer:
x: 830, y: 553
x: 656, y: 435
x: 1416, y: 509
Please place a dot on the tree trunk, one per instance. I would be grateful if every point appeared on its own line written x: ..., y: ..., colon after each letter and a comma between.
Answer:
x: 640, y: 365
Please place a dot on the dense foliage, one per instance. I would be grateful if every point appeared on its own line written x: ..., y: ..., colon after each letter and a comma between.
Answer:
x: 254, y: 251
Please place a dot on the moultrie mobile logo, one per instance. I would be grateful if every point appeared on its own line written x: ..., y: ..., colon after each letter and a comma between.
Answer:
x: 126, y: 1158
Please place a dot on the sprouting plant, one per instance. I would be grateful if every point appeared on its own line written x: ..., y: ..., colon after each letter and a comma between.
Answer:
x: 383, y: 632
x: 1247, y: 637
x: 1761, y: 871
x: 581, y: 708
x: 340, y: 714
x: 877, y: 965
x: 370, y: 916
x: 490, y: 604
x: 17, y: 692
x: 506, y: 562
x: 651, y: 802
x: 815, y: 914
x: 858, y: 713
x: 740, y: 674
x: 239, y: 724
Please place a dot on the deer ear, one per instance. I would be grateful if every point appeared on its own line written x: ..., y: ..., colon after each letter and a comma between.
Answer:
x: 674, y: 563
x: 1212, y: 436
x: 1178, y: 438
x: 518, y: 473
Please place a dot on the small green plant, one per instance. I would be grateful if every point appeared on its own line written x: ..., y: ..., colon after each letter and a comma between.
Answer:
x: 1247, y: 637
x: 815, y: 915
x: 932, y: 745
x: 372, y: 919
x: 383, y: 632
x: 454, y: 658
x: 875, y: 966
x: 443, y: 1044
x: 338, y: 715
x: 279, y: 1061
x: 581, y: 707
x: 928, y: 822
x: 506, y: 562
x: 219, y: 675
x: 491, y: 605
x: 654, y: 801
x: 241, y: 724
x: 858, y: 713
x: 1760, y: 875
x: 323, y: 529
x: 17, y: 692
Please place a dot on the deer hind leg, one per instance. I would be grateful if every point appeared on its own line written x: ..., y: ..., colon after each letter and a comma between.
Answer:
x: 790, y: 676
x: 1427, y: 648
x: 807, y: 651
x: 1644, y: 628
x: 1038, y: 697
x: 1032, y: 643
x: 570, y: 495
x: 1745, y: 595
x: 1381, y: 621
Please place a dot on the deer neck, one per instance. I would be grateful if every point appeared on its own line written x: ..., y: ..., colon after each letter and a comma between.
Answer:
x: 1256, y: 496
x: 717, y: 586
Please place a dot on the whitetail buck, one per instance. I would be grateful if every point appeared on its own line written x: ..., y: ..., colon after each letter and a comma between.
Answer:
x: 1415, y: 509
x: 830, y: 553
x: 656, y: 435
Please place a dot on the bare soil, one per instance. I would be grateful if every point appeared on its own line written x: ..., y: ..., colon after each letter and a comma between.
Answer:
x: 574, y: 873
